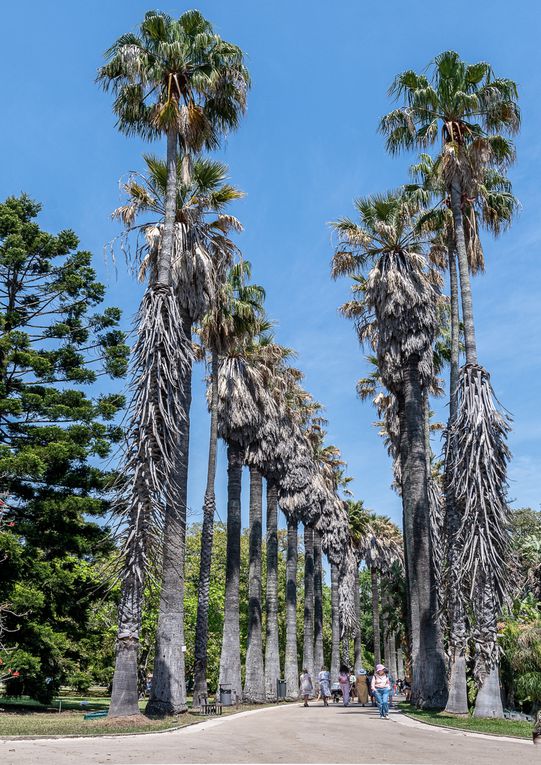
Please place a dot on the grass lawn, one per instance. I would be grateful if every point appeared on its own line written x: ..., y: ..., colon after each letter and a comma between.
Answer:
x: 516, y: 728
x: 24, y: 717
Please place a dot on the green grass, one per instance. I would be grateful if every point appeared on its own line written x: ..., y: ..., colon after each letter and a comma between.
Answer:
x: 25, y: 717
x: 516, y: 728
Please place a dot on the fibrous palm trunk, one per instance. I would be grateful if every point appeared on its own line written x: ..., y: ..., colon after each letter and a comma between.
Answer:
x: 168, y: 692
x: 272, y: 648
x: 291, y: 659
x: 335, y: 626
x: 254, y: 681
x: 429, y: 687
x: 478, y: 437
x: 375, y: 614
x: 357, y: 636
x: 308, y: 639
x: 207, y: 532
x: 318, y: 604
x: 230, y: 669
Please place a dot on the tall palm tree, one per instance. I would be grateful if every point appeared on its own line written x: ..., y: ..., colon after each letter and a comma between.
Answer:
x: 308, y: 632
x: 178, y: 78
x: 291, y: 668
x: 400, y: 316
x: 236, y: 314
x: 335, y: 623
x: 471, y: 107
x: 318, y: 603
x: 359, y: 524
x: 254, y: 682
x: 272, y: 650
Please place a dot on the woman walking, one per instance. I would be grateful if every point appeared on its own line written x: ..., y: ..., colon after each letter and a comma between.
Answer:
x: 361, y: 686
x: 324, y: 679
x: 307, y: 686
x: 381, y: 687
x: 343, y: 679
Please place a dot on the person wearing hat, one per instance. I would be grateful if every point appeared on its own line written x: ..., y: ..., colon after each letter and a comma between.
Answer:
x: 361, y: 686
x: 381, y: 686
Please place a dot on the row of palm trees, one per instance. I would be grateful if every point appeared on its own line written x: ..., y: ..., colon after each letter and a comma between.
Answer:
x: 179, y: 79
x: 455, y: 524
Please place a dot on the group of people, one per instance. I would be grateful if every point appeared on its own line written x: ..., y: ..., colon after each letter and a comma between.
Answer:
x: 378, y: 687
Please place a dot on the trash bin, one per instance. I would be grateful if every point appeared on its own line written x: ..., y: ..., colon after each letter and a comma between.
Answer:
x: 281, y: 690
x: 225, y: 696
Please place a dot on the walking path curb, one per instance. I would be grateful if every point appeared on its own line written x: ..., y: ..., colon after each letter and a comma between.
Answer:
x: 412, y: 722
x: 195, y: 725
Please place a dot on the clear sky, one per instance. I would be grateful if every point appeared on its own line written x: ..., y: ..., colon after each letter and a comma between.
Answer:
x: 307, y: 146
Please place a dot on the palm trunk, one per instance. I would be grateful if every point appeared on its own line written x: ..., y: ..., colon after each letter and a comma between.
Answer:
x: 291, y: 659
x: 375, y: 615
x: 455, y: 328
x: 488, y: 702
x: 463, y: 269
x: 318, y: 605
x: 429, y: 686
x: 308, y: 641
x: 230, y: 669
x: 393, y: 666
x: 165, y: 256
x: 272, y: 647
x: 357, y: 637
x: 335, y: 626
x: 125, y: 695
x: 207, y: 532
x: 168, y: 693
x: 254, y: 682
x: 400, y: 670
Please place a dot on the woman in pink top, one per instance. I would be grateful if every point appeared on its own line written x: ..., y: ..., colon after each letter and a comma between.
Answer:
x: 381, y: 687
x: 343, y: 679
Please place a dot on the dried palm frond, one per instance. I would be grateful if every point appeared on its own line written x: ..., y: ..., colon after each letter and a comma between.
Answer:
x: 477, y: 479
x: 147, y: 475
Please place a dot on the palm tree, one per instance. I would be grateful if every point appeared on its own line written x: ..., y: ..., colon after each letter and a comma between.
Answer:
x: 272, y: 652
x: 254, y: 683
x: 178, y: 78
x: 335, y: 623
x: 470, y: 106
x: 236, y: 314
x: 400, y: 318
x: 291, y: 668
x: 308, y: 632
x: 318, y: 603
x: 359, y: 524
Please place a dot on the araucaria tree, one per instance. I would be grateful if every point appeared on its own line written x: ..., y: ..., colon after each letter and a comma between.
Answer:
x: 471, y: 109
x: 179, y: 79
x: 56, y: 340
x: 399, y: 318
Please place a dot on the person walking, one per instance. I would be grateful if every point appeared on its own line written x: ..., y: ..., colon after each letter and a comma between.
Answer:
x: 343, y: 679
x: 307, y: 686
x: 361, y: 687
x: 381, y: 687
x: 324, y: 679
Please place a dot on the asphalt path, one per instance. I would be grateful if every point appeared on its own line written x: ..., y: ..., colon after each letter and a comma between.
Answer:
x: 283, y: 734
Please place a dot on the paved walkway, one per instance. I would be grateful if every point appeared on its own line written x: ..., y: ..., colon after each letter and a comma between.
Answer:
x: 284, y: 734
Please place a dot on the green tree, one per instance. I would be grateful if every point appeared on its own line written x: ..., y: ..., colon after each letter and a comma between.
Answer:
x: 57, y: 339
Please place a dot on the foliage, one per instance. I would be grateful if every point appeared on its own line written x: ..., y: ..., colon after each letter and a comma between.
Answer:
x: 53, y: 435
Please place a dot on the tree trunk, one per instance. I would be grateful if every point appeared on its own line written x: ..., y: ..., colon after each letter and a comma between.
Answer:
x: 254, y: 682
x: 455, y: 328
x: 319, y: 659
x: 393, y: 667
x: 168, y: 692
x: 429, y: 686
x: 125, y: 695
x: 357, y: 637
x: 207, y: 532
x: 335, y: 617
x: 165, y: 255
x: 489, y: 697
x: 230, y: 670
x: 291, y: 658
x: 463, y: 268
x: 375, y: 615
x: 400, y: 670
x: 272, y: 647
x: 308, y: 642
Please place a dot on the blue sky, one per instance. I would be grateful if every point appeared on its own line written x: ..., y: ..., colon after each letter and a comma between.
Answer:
x: 307, y: 146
